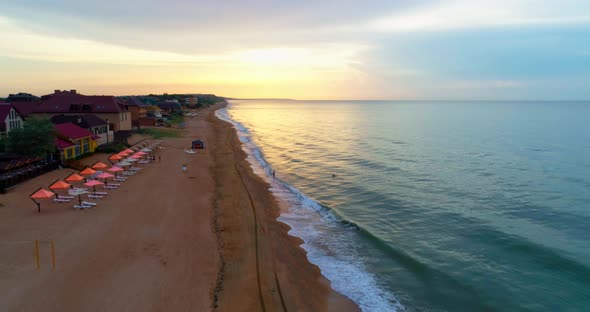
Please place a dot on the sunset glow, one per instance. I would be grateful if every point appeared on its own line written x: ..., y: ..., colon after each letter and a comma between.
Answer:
x: 448, y: 49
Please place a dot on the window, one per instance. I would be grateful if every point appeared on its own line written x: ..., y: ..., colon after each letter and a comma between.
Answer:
x: 77, y: 148
x: 86, y: 147
x: 69, y: 153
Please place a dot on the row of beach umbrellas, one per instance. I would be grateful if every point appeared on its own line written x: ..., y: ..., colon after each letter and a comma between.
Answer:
x: 124, y: 158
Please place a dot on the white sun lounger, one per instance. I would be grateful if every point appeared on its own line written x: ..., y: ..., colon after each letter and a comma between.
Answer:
x: 82, y: 206
x: 91, y: 196
x: 87, y: 203
x: 62, y: 200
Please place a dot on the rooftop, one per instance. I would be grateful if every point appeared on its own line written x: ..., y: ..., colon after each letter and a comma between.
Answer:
x: 71, y: 131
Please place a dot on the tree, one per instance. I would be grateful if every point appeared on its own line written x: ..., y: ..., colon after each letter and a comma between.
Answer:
x: 37, y: 138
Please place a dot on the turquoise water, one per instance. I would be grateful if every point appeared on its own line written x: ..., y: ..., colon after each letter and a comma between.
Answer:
x: 434, y: 206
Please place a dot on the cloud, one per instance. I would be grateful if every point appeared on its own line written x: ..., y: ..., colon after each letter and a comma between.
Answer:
x: 455, y: 15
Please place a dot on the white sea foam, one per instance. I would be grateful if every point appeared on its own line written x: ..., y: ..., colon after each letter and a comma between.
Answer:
x: 327, y: 241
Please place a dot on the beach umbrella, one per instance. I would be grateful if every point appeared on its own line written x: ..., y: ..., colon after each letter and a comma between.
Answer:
x: 41, y: 194
x: 88, y: 171
x: 93, y: 183
x: 59, y: 185
x: 128, y: 151
x: 115, y: 157
x: 115, y: 169
x: 123, y: 154
x: 105, y: 176
x: 74, y: 177
x: 136, y: 156
x: 77, y: 192
x: 99, y: 165
x: 140, y: 153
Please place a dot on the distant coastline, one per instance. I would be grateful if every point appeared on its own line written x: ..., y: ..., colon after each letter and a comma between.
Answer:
x: 259, y: 99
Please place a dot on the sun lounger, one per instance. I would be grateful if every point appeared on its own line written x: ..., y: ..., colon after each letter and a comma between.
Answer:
x: 62, y: 200
x: 87, y: 203
x: 83, y: 206
x: 95, y: 196
x: 66, y: 197
x: 110, y: 187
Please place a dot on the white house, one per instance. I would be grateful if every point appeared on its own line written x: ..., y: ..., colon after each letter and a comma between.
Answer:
x: 9, y: 119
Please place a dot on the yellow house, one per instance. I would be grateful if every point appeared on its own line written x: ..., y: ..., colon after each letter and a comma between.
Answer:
x: 73, y: 141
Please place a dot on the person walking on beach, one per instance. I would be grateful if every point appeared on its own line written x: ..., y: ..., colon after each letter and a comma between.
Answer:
x: 184, y: 168
x: 273, y: 174
x: 159, y: 158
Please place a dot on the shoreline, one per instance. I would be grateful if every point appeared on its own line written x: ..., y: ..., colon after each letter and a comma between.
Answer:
x: 258, y: 249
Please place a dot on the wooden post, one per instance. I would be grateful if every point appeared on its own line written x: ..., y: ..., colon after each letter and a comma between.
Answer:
x: 52, y: 255
x: 37, y: 254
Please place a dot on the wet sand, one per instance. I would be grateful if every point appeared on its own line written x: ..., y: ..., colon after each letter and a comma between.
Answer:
x: 203, y: 240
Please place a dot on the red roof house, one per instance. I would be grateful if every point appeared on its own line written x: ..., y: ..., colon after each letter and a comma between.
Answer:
x: 73, y: 141
x: 106, y: 107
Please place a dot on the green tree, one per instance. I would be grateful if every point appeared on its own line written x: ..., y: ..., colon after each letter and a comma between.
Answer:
x: 37, y: 138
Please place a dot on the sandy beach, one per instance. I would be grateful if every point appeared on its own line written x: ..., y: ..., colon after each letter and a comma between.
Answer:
x: 203, y: 240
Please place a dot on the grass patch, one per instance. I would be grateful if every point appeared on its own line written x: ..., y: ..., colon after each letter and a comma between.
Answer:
x: 176, y: 119
x: 158, y: 133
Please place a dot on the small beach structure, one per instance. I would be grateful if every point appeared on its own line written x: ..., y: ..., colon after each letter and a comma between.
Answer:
x: 198, y: 144
x: 41, y: 193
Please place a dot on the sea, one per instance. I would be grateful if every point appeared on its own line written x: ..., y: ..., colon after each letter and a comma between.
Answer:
x: 433, y: 205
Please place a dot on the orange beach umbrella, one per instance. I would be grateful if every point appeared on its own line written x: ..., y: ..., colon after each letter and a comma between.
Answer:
x: 87, y: 171
x: 99, y: 165
x: 74, y: 177
x: 41, y: 194
x: 128, y: 151
x: 59, y: 185
x: 114, y: 157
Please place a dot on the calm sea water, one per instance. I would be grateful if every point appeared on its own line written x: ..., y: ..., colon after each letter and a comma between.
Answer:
x: 433, y: 206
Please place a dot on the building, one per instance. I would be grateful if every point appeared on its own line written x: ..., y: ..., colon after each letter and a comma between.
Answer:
x: 107, y: 107
x: 73, y: 141
x: 90, y: 122
x: 138, y: 110
x: 191, y: 101
x: 154, y: 112
x: 21, y: 97
x: 10, y: 119
x: 170, y: 106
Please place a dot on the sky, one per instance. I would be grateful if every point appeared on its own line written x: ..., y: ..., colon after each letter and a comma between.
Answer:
x: 306, y: 49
